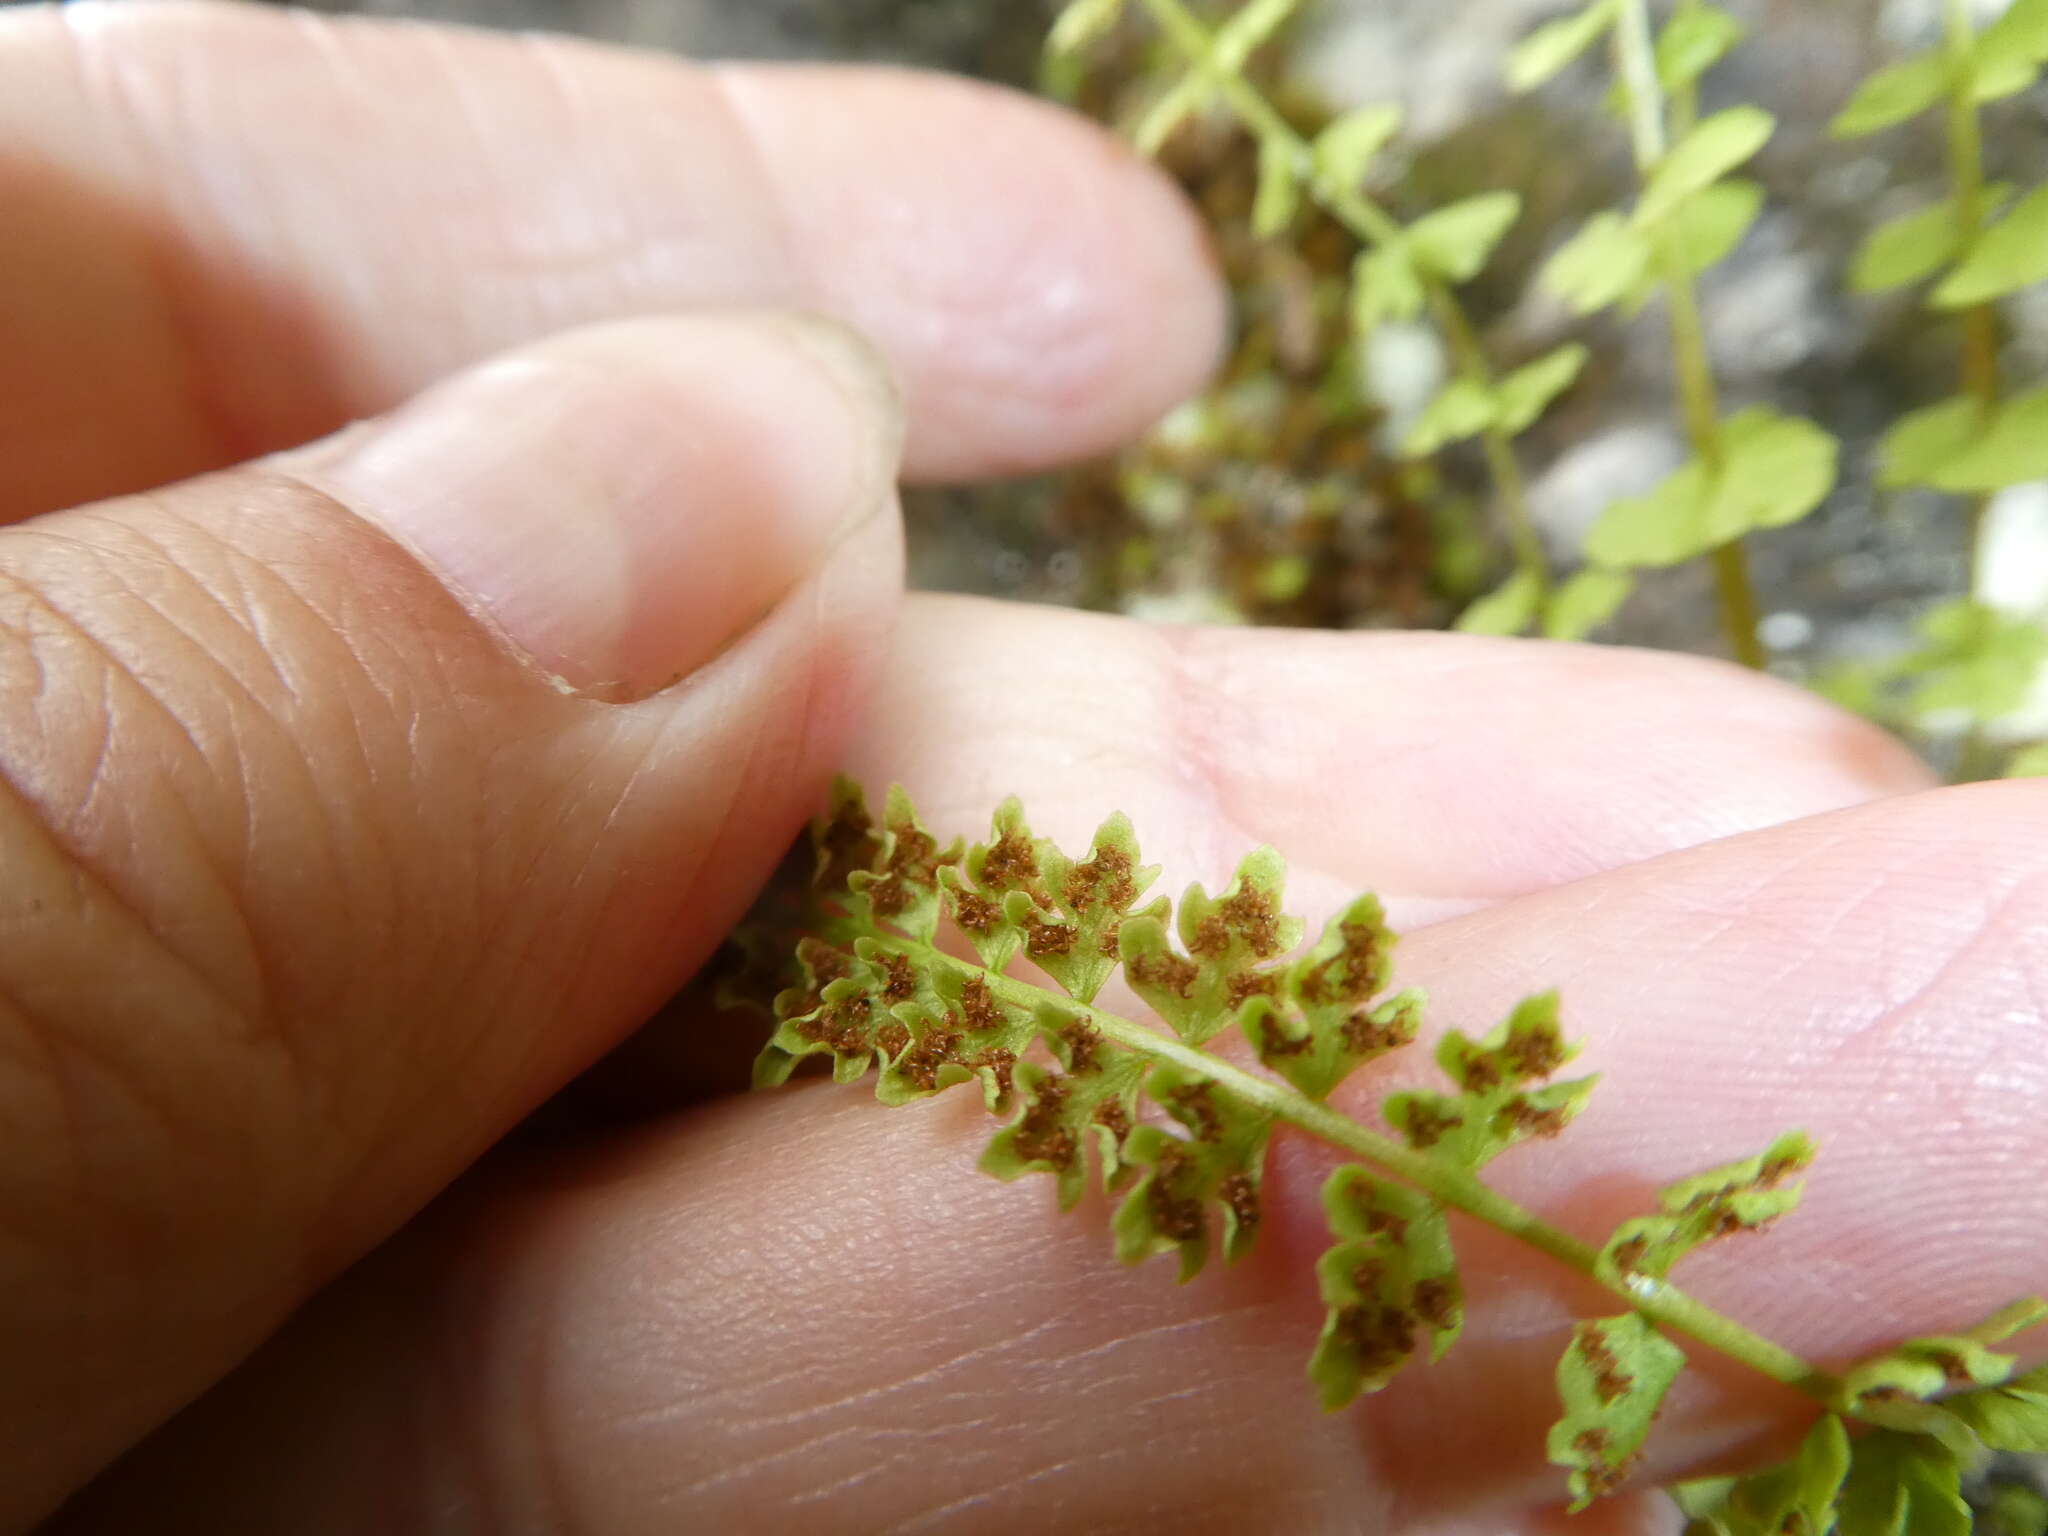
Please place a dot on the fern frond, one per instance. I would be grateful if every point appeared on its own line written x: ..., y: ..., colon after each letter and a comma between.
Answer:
x: 1178, y: 1134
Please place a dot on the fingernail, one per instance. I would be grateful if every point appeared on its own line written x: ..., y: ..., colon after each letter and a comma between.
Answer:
x: 620, y: 503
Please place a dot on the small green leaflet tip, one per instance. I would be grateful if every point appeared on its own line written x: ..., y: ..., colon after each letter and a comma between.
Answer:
x: 1975, y: 661
x: 2009, y: 256
x: 1923, y: 1370
x: 1508, y: 609
x: 1080, y: 25
x: 2029, y: 763
x: 1893, y: 96
x: 2005, y: 61
x: 1468, y: 406
x: 1585, y: 602
x: 1456, y: 241
x: 1958, y: 446
x: 1554, y: 46
x: 1746, y: 1196
x: 1715, y: 147
x: 1698, y: 37
x: 1390, y: 1281
x: 1612, y: 1381
x: 1504, y: 1096
x: 1345, y: 151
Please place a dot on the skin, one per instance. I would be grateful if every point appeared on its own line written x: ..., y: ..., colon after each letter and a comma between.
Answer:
x: 301, y: 924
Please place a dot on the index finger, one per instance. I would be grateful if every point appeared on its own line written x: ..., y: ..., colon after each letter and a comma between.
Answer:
x: 235, y: 229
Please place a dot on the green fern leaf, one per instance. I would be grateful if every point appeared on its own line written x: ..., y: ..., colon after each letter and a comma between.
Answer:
x: 1893, y: 96
x: 1923, y: 443
x: 1696, y: 39
x: 2010, y: 449
x: 1741, y: 1197
x: 1021, y: 892
x: 2011, y: 255
x: 1903, y: 1485
x: 1500, y: 1104
x: 1456, y: 242
x: 1316, y: 1027
x: 1908, y: 249
x: 2017, y: 38
x: 901, y: 885
x: 1775, y: 470
x: 1975, y: 660
x: 1710, y: 225
x: 1508, y: 609
x: 1587, y: 601
x: 1390, y: 1280
x: 1385, y: 287
x: 2009, y: 1417
x: 1524, y: 395
x: 830, y: 1012
x: 845, y: 839
x: 1716, y: 146
x: 1081, y: 25
x: 1220, y: 1163
x: 1922, y: 1370
x: 974, y: 898
x: 1795, y: 1499
x: 1548, y: 50
x: 1463, y: 408
x: 1230, y: 940
x: 1091, y: 1101
x: 1345, y: 151
x: 1612, y: 1380
x: 928, y: 1043
x: 1599, y: 266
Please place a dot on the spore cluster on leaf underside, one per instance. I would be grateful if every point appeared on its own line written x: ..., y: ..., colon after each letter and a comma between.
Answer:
x: 1177, y: 1135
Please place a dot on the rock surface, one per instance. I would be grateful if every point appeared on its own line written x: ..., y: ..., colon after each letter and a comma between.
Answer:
x: 999, y: 39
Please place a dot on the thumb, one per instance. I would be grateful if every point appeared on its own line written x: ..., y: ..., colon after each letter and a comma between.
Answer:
x: 352, y: 801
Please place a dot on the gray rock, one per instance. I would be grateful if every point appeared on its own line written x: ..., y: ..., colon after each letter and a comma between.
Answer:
x: 1623, y: 460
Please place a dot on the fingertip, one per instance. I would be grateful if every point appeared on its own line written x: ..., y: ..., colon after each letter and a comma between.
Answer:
x: 1115, y: 307
x: 620, y: 502
x: 263, y: 252
x: 1540, y: 763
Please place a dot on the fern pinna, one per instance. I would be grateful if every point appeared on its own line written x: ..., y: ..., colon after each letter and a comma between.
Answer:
x: 1179, y: 1134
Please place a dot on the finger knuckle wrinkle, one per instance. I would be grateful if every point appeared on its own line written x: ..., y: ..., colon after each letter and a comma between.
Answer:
x: 124, y: 772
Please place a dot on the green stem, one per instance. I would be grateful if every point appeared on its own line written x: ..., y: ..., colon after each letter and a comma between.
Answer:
x: 1684, y: 114
x: 1455, y: 1187
x: 1498, y: 446
x: 1740, y: 617
x: 1371, y: 225
x: 1980, y: 321
x: 1966, y: 180
x: 1635, y: 54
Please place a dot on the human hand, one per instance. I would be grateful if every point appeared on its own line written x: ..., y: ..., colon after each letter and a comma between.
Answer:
x: 806, y: 1313
x: 313, y: 886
